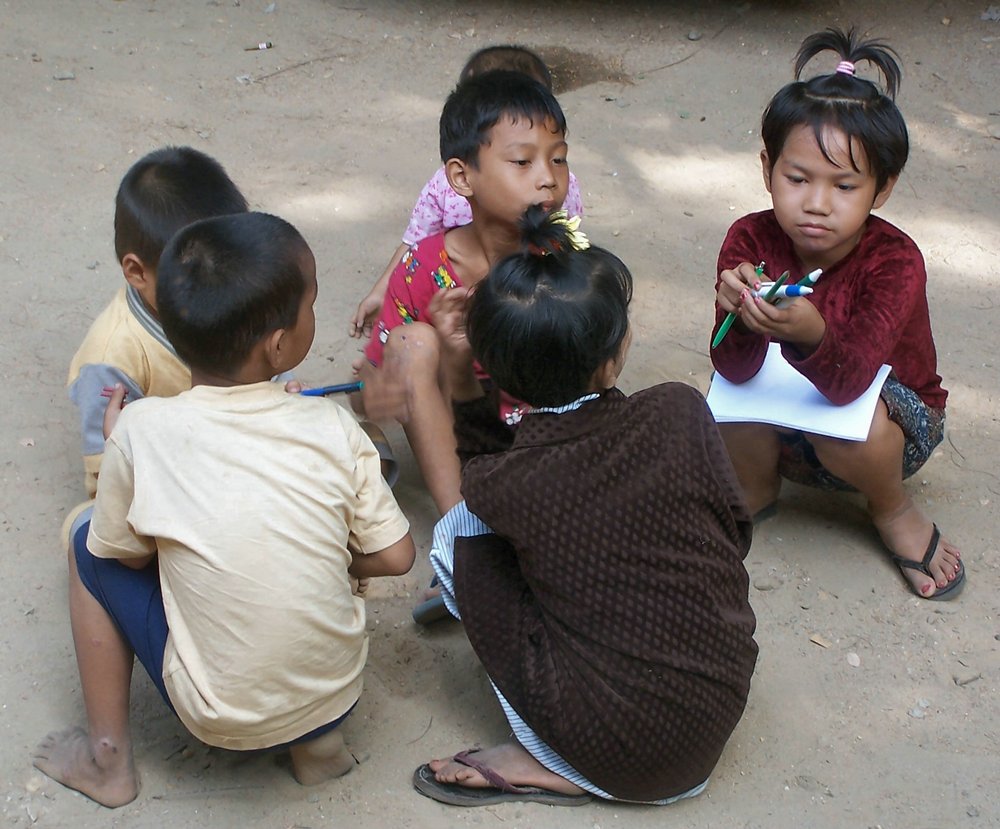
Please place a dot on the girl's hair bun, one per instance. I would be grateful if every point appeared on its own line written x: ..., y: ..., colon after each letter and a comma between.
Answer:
x: 545, y: 232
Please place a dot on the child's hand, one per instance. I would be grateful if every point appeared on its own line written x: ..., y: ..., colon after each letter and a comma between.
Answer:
x: 796, y: 321
x: 116, y: 403
x: 735, y: 287
x: 364, y: 316
x: 448, y: 311
x: 368, y: 308
x: 385, y: 395
x: 359, y: 587
x: 294, y: 387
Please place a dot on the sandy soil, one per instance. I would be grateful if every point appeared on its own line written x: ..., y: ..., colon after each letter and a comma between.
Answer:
x: 869, y: 707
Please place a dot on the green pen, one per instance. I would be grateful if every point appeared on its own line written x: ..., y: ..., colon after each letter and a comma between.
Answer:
x: 781, y: 280
x: 810, y: 278
x: 727, y: 323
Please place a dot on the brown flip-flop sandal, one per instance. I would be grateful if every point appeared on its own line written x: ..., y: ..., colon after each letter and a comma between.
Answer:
x: 454, y: 794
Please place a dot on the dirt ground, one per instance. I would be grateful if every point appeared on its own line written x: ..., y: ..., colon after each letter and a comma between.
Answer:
x: 869, y: 707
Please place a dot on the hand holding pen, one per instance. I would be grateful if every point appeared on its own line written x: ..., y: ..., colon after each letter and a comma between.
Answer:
x: 739, y: 282
x: 794, y: 321
x: 753, y: 294
x: 780, y: 292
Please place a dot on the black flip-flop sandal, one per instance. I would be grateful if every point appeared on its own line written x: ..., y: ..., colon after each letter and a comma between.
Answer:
x: 941, y: 594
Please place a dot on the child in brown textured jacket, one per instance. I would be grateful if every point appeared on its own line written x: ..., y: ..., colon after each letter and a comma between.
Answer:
x: 597, y: 560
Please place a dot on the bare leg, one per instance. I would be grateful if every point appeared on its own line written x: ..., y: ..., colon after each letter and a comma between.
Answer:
x: 429, y: 427
x: 512, y: 762
x: 321, y: 759
x: 754, y: 450
x: 874, y: 468
x: 96, y: 762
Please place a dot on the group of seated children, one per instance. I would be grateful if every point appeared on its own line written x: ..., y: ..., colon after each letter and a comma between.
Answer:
x: 592, y: 543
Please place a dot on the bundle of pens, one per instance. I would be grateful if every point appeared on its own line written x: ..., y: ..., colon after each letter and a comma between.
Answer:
x: 772, y: 292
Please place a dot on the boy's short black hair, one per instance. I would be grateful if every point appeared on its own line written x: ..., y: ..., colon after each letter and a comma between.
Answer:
x: 225, y: 283
x: 845, y: 102
x: 164, y: 191
x: 546, y: 319
x: 507, y: 56
x: 478, y: 104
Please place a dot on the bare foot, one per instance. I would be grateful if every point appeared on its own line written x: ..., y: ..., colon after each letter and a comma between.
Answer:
x: 321, y: 759
x: 907, y: 532
x: 98, y: 769
x: 512, y: 762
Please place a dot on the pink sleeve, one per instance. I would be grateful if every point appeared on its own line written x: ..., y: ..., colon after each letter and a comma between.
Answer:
x: 431, y: 212
x: 573, y: 205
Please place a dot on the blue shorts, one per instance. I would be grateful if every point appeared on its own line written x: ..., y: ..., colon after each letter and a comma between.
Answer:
x: 133, y: 600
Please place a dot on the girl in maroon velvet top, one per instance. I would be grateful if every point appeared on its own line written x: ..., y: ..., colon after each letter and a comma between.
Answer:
x: 834, y: 147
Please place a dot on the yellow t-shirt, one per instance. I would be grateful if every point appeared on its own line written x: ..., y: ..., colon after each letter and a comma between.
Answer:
x: 125, y: 345
x: 251, y: 496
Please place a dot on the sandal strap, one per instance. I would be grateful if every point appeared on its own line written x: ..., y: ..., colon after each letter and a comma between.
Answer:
x: 924, y: 565
x: 492, y: 777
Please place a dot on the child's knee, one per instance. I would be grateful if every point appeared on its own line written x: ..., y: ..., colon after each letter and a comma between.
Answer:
x: 415, y: 348
x: 754, y: 441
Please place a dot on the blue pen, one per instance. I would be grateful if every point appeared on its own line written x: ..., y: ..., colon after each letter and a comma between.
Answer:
x: 342, y: 388
x: 782, y: 291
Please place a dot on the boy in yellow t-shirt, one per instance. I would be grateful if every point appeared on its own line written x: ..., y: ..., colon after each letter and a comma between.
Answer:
x: 269, y: 503
x: 161, y: 193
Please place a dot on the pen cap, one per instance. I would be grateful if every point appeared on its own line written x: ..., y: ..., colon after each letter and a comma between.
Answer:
x: 794, y: 290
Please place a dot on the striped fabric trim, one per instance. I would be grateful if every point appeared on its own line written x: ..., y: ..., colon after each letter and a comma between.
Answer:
x: 459, y: 522
x: 147, y: 320
x: 568, y: 407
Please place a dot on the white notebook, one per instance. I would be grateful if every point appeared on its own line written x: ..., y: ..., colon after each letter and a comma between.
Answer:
x: 779, y: 395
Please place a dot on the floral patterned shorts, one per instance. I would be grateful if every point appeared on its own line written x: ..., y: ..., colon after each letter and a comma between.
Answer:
x: 923, y: 429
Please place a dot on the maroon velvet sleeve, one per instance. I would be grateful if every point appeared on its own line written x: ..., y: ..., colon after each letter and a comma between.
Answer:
x: 740, y: 355
x: 873, y: 302
x: 865, y: 325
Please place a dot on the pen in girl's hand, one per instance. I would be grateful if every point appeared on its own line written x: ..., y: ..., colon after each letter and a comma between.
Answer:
x: 727, y: 323
x: 782, y: 291
x: 775, y: 286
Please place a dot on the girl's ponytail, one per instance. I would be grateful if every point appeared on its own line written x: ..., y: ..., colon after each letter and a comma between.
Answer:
x: 842, y: 101
x: 852, y: 51
x: 545, y: 233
